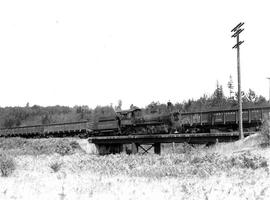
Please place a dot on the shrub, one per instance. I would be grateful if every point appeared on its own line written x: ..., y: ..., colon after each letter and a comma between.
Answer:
x: 55, y: 166
x: 248, y: 160
x: 75, y: 145
x: 185, y: 148
x: 196, y: 160
x: 63, y: 148
x: 7, y: 165
x: 12, y: 143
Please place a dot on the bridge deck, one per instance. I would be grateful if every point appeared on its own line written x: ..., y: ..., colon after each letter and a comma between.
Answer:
x: 194, y: 138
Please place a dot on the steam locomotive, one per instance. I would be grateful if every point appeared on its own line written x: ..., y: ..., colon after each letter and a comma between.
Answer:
x: 134, y: 122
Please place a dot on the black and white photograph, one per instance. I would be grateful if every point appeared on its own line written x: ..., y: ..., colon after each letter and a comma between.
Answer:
x: 134, y: 100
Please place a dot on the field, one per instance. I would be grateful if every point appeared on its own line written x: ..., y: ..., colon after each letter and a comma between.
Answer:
x: 69, y: 169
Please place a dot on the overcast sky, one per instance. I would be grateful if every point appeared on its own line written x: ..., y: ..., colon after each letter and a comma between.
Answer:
x: 97, y: 52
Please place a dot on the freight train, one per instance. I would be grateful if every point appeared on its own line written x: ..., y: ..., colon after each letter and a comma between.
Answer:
x: 134, y: 122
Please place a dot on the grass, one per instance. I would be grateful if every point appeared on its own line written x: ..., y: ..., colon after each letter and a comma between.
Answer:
x: 179, y: 176
x: 7, y: 165
x: 177, y: 165
x: 182, y: 172
x: 63, y: 148
x: 186, y: 161
x: 21, y: 146
x: 55, y: 166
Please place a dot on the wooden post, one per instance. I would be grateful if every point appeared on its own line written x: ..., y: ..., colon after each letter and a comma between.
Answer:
x: 237, y: 30
x: 134, y: 148
x: 157, y: 148
x: 241, y: 135
x: 101, y: 148
x: 249, y: 116
x: 104, y: 149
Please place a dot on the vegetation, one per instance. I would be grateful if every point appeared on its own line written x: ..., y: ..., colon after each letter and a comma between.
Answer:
x: 7, y: 165
x: 216, y: 101
x: 23, y: 116
x: 187, y: 172
x: 173, y: 165
x: 22, y: 146
x: 63, y: 148
x: 55, y: 166
x: 186, y: 161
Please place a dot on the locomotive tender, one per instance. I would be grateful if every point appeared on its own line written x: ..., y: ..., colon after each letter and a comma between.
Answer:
x: 133, y: 122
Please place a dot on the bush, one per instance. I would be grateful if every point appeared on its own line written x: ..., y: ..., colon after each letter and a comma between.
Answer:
x: 63, y: 148
x: 55, y: 166
x: 184, y: 148
x: 75, y: 145
x: 7, y: 165
x: 12, y: 143
x: 22, y: 146
x: 248, y: 160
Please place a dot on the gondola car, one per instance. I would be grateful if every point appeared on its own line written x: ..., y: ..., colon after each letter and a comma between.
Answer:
x: 224, y: 120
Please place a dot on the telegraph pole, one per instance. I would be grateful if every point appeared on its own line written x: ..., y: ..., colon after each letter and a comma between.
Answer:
x: 269, y: 89
x: 237, y: 30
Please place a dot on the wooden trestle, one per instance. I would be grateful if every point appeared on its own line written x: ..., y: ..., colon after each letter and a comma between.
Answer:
x: 116, y: 144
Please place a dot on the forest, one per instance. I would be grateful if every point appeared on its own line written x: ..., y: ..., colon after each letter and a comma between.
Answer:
x: 35, y: 115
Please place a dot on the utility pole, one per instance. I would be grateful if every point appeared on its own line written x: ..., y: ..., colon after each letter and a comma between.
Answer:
x: 237, y: 30
x: 269, y: 89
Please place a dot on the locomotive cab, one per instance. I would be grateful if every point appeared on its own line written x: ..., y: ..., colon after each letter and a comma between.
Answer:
x: 128, y: 120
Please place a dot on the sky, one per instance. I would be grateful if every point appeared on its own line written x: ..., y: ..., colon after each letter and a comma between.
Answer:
x: 67, y: 52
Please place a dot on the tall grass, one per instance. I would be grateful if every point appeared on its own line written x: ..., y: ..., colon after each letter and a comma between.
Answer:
x: 7, y: 165
x: 21, y: 146
x: 172, y: 165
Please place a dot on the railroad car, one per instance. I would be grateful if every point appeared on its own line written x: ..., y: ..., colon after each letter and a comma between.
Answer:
x: 108, y: 125
x: 224, y: 120
x: 50, y: 130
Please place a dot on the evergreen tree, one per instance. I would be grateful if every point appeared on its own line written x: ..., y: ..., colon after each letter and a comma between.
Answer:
x: 230, y: 86
x: 218, y: 98
x: 251, y: 96
x: 119, y: 106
